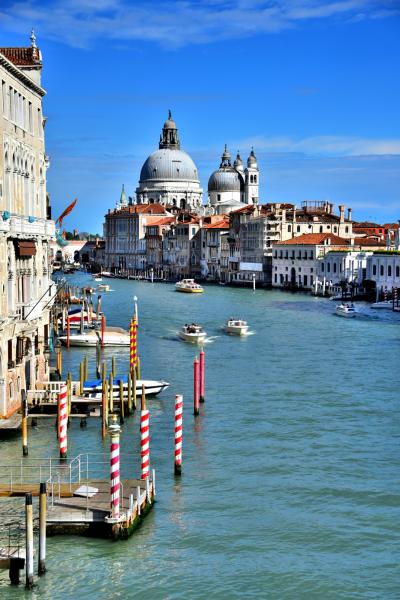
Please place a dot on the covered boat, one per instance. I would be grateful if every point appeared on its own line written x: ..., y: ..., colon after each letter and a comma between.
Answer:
x: 192, y: 333
x: 345, y: 310
x: 113, y: 336
x: 188, y: 286
x: 236, y: 326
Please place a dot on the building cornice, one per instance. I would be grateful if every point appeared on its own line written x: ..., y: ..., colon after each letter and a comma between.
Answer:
x: 21, y: 75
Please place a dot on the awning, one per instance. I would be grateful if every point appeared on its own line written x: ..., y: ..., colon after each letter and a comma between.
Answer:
x: 25, y: 248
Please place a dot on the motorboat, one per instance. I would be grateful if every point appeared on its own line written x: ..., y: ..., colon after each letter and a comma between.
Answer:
x: 103, y: 287
x: 93, y: 389
x: 236, y: 326
x: 188, y: 286
x: 345, y: 310
x: 97, y: 278
x: 113, y: 336
x: 384, y: 304
x: 192, y: 333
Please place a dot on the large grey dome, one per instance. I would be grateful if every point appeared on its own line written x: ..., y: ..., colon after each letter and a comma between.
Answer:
x: 169, y: 165
x: 225, y: 179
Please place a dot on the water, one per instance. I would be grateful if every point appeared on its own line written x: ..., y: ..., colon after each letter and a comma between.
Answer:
x: 290, y: 485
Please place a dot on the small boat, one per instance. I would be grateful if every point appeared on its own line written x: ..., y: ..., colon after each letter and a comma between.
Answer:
x: 385, y: 304
x: 93, y: 389
x: 103, y: 287
x: 345, y: 310
x: 236, y: 326
x: 192, y: 333
x: 189, y: 286
x: 113, y: 336
x: 97, y: 278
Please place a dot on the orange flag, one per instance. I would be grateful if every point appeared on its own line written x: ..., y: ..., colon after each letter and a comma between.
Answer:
x: 66, y: 212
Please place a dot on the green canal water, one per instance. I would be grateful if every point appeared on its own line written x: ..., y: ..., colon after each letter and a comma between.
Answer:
x: 291, y: 475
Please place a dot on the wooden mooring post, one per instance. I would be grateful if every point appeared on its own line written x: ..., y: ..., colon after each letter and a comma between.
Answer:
x: 42, y: 529
x: 29, y: 541
x: 24, y: 423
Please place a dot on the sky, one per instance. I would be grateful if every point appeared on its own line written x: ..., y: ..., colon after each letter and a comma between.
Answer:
x: 313, y: 85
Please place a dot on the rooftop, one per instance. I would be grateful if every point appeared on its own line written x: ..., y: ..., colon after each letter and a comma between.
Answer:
x: 314, y: 239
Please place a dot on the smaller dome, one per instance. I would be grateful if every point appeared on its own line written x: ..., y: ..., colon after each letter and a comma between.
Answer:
x: 225, y: 180
x: 252, y: 160
x: 238, y: 161
x: 169, y: 123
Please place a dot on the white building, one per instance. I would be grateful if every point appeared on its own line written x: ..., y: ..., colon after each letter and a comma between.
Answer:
x: 383, y: 267
x: 295, y: 261
x: 26, y: 292
x: 231, y: 187
x: 169, y: 176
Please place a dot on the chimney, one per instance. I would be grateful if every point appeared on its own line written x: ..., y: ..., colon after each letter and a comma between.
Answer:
x: 349, y: 211
x: 341, y: 212
x: 294, y: 213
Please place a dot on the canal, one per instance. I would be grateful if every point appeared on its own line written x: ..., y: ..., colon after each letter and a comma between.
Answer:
x: 291, y: 474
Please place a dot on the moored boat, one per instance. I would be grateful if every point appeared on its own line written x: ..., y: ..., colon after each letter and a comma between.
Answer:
x: 345, y: 310
x: 93, y: 389
x: 384, y: 304
x: 188, y: 286
x: 192, y: 333
x: 113, y: 336
x: 236, y: 326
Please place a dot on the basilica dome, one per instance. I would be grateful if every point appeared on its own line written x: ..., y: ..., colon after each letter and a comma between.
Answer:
x: 169, y: 164
x: 225, y: 179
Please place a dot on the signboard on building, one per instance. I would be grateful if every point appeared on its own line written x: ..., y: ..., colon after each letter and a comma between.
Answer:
x: 246, y: 266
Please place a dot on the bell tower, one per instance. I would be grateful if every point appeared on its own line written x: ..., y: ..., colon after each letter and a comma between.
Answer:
x: 252, y: 175
x: 169, y: 137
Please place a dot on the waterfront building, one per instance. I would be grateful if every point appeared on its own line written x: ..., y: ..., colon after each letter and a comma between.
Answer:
x: 125, y: 234
x: 155, y: 233
x: 295, y: 261
x: 26, y: 292
x: 169, y: 176
x: 383, y: 268
x: 180, y: 247
x: 231, y: 187
x: 213, y: 247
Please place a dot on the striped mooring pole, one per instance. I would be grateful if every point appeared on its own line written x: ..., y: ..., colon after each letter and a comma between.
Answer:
x: 133, y: 344
x: 144, y: 437
x: 63, y: 421
x: 196, y: 409
x: 114, y: 430
x: 202, y: 376
x: 178, y: 433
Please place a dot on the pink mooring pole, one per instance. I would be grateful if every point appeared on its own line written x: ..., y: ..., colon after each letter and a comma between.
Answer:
x: 178, y: 434
x: 202, y: 376
x: 144, y: 439
x: 114, y: 470
x: 63, y: 421
x: 196, y: 387
x: 103, y: 327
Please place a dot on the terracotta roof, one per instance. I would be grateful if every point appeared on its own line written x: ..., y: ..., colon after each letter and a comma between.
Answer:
x: 22, y: 56
x: 151, y: 209
x: 223, y: 224
x: 367, y: 224
x: 160, y: 221
x: 313, y: 239
x: 369, y: 241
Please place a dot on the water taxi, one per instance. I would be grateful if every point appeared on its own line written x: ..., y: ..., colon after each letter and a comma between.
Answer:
x: 192, y: 333
x: 189, y: 286
x: 236, y: 326
x: 113, y: 336
x: 345, y: 310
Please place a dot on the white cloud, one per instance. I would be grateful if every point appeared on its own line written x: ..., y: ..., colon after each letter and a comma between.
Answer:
x: 329, y: 145
x: 178, y: 22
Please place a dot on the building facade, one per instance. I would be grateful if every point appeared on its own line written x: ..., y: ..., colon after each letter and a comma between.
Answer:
x: 26, y: 293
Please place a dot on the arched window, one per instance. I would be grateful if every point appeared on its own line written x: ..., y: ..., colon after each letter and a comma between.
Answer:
x: 389, y: 270
x: 298, y: 228
x: 397, y: 270
x: 321, y: 228
x: 373, y: 269
x: 289, y: 228
x: 382, y: 270
x: 255, y: 178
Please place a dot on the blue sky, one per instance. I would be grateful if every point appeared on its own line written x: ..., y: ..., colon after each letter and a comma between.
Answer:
x: 313, y: 85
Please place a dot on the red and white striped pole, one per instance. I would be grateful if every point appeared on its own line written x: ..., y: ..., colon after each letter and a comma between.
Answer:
x: 144, y: 437
x: 196, y: 409
x: 133, y: 344
x: 114, y: 430
x: 178, y: 433
x: 202, y: 376
x: 103, y: 327
x: 63, y: 421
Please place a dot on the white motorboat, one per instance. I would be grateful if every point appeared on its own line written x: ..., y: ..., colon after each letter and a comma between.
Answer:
x: 97, y: 278
x: 103, y: 287
x: 192, y: 333
x: 113, y: 336
x: 236, y: 326
x: 345, y: 310
x: 188, y: 286
x: 384, y: 304
x: 93, y: 389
